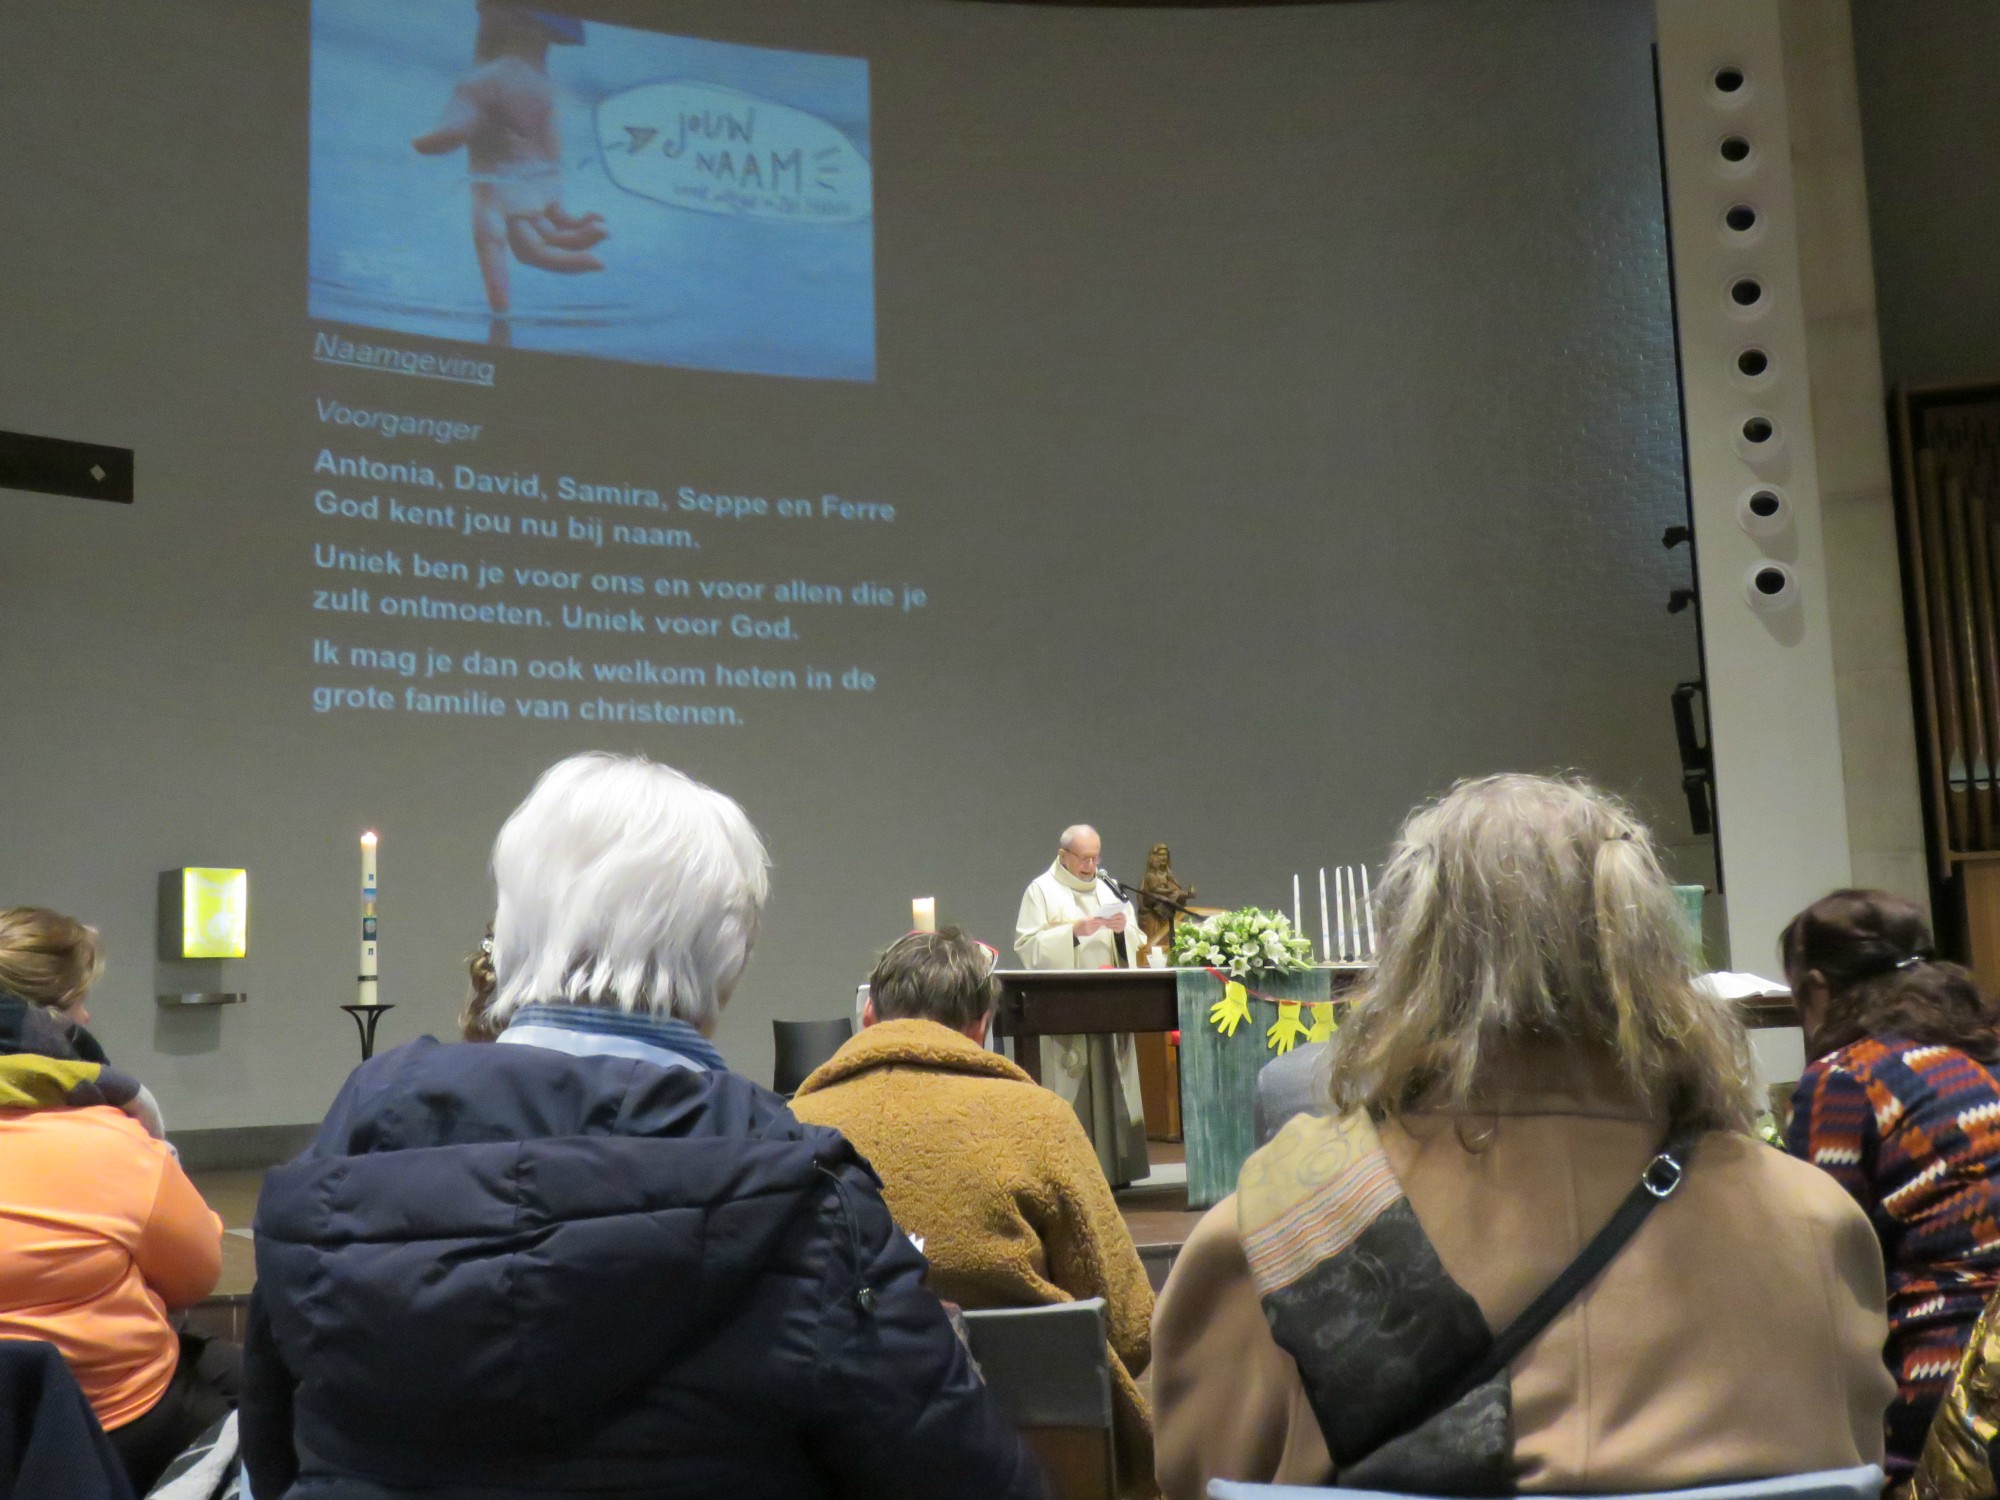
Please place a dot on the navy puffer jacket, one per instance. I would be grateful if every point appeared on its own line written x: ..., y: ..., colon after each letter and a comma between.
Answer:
x: 507, y: 1271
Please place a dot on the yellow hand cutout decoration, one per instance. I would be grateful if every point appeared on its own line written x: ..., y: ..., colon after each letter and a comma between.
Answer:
x: 1232, y: 1010
x: 1284, y: 1033
x: 1323, y: 1024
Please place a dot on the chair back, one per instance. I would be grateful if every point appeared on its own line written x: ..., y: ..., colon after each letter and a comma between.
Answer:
x: 1050, y: 1370
x: 50, y: 1443
x: 802, y: 1046
x: 1864, y: 1483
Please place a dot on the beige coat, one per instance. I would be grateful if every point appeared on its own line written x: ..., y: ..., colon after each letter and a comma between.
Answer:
x: 997, y: 1178
x: 1738, y: 1335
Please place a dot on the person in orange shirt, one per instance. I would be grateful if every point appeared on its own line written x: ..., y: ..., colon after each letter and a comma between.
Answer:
x: 102, y: 1235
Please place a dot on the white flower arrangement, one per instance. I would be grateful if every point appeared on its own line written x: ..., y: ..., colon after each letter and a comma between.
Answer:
x: 1242, y: 942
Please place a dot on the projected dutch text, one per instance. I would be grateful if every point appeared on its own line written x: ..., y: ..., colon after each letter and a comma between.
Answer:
x: 613, y: 592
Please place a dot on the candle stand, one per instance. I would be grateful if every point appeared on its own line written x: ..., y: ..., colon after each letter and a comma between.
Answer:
x: 366, y: 1019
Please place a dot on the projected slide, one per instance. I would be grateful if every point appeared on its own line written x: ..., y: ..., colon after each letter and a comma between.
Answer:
x: 489, y: 172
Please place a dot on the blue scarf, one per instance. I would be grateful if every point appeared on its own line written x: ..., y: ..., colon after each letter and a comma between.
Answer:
x: 586, y: 1030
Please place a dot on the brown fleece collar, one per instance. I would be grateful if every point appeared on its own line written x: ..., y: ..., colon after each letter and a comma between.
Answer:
x: 910, y: 1044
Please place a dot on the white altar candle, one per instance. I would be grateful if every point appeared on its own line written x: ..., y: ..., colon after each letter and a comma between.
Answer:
x: 1339, y: 915
x: 1368, y: 910
x: 1297, y: 925
x: 1325, y: 941
x: 369, y: 956
x: 1353, y: 912
x: 923, y: 914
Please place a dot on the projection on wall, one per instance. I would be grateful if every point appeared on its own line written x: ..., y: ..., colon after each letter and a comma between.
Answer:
x: 1226, y: 426
x: 520, y: 178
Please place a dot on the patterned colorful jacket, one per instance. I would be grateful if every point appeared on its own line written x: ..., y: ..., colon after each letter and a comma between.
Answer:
x: 1912, y: 1131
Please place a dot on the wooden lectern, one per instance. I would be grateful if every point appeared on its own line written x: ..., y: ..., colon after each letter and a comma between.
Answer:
x: 1035, y: 1003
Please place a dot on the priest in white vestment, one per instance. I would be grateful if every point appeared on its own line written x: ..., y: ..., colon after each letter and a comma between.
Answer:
x: 1070, y: 919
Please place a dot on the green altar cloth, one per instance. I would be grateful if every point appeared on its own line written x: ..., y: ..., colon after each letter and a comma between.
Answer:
x: 1219, y: 1073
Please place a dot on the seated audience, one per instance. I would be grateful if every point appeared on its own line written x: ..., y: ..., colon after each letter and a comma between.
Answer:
x: 588, y: 1259
x: 475, y: 1018
x: 1295, y: 1083
x: 1531, y: 1043
x: 50, y: 960
x: 101, y: 1233
x: 994, y: 1174
x: 1900, y: 1103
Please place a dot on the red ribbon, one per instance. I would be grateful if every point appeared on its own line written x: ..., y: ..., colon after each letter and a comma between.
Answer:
x: 1258, y: 994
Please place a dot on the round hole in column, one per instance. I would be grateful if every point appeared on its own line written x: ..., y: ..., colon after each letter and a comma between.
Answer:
x: 1742, y: 218
x: 1770, y: 585
x: 1753, y: 362
x: 1729, y: 80
x: 1763, y: 511
x: 1759, y: 430
x: 1734, y: 149
x: 1746, y: 291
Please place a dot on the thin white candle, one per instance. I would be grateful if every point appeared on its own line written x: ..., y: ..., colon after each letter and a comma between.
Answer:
x: 369, y: 955
x: 1297, y: 925
x: 1368, y: 910
x: 1355, y: 913
x: 1339, y: 915
x: 1343, y: 893
x: 923, y: 914
x: 1325, y: 940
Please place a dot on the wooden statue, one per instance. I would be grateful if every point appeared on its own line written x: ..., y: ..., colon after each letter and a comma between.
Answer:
x: 1156, y: 890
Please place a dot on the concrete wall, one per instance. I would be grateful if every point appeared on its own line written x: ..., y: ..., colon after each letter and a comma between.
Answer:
x: 1837, y: 286
x: 1930, y: 118
x: 1815, y: 746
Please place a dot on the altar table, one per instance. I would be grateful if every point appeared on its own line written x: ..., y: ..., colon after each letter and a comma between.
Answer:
x: 1218, y: 1074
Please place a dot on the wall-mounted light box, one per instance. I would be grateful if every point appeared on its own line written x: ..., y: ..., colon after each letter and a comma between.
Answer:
x: 214, y: 908
x: 204, y: 914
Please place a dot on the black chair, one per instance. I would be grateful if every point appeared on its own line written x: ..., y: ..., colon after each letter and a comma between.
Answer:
x: 803, y: 1046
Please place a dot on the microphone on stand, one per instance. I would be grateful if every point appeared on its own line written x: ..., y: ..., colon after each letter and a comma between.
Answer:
x: 1122, y: 891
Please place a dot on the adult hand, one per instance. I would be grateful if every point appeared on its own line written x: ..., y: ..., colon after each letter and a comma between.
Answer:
x: 1113, y: 923
x: 1088, y: 927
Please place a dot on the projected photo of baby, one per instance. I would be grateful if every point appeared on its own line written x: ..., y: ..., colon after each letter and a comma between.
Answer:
x: 503, y: 174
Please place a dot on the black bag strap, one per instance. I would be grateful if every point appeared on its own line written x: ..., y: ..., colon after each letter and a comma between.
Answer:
x: 1657, y: 1182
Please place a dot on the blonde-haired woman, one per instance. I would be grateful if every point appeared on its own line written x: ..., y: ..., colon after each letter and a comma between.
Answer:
x: 1531, y: 1046
x: 49, y: 959
x: 102, y: 1235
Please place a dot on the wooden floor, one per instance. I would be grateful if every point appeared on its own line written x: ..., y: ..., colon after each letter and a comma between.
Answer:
x: 1155, y: 1211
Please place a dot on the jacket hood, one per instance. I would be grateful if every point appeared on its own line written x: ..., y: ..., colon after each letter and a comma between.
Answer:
x: 492, y: 1245
x: 910, y: 1044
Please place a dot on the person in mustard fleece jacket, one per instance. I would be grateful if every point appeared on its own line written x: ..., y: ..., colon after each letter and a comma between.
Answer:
x: 991, y: 1172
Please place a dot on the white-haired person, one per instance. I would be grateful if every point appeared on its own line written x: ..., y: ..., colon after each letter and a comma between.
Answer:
x: 1532, y: 1246
x: 588, y: 1259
